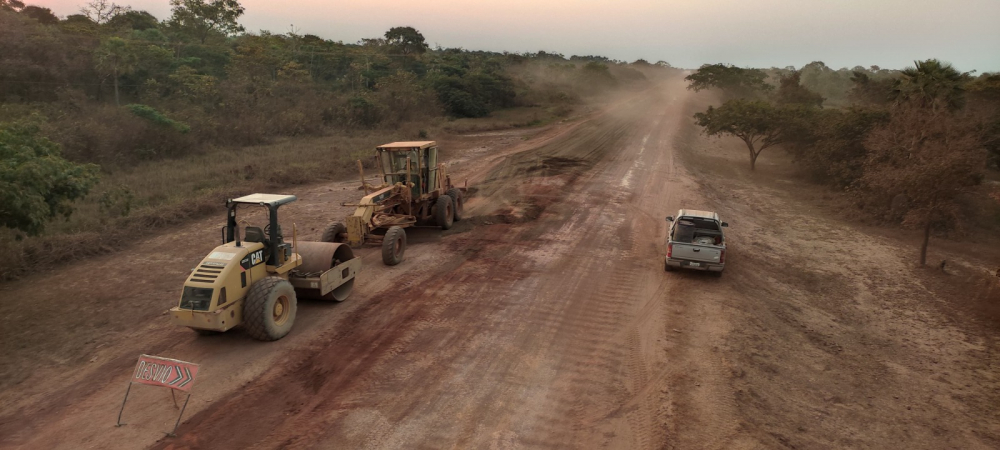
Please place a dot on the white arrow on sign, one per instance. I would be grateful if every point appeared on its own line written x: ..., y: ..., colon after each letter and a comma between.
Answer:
x: 183, y: 377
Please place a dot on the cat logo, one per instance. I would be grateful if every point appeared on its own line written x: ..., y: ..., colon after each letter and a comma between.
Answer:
x: 252, y: 259
x: 256, y: 257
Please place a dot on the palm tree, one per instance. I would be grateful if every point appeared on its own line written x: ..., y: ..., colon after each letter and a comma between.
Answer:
x: 115, y: 58
x: 932, y: 84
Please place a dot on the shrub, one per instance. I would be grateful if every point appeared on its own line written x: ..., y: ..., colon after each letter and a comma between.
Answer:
x: 36, y: 183
x: 113, y: 136
x: 829, y: 144
x: 154, y: 116
x: 360, y: 111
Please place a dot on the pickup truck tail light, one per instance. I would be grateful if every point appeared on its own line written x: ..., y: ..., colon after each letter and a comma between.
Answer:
x: 670, y: 249
x: 722, y: 256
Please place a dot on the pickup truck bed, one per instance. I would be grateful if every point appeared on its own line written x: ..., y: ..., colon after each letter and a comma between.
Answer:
x: 696, y: 241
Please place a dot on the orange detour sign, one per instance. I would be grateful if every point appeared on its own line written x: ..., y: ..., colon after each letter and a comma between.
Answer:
x: 171, y: 373
x: 166, y: 372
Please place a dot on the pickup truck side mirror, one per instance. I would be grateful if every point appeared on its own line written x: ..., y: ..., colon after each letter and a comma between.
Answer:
x: 725, y: 224
x: 670, y: 218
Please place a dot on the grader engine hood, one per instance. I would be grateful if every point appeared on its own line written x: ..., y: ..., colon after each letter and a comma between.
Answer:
x: 357, y: 224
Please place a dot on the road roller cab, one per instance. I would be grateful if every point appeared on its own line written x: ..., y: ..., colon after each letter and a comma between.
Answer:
x: 256, y: 276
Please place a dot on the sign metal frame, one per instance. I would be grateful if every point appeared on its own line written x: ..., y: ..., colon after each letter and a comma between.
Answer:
x: 165, y: 372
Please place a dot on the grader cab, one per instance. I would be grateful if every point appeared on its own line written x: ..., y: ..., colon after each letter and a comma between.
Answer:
x: 415, y: 190
x: 255, y: 277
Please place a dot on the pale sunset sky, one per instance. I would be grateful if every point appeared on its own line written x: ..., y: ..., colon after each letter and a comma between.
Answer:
x: 755, y: 33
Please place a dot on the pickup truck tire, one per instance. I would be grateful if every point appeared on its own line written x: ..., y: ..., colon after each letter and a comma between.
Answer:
x: 667, y: 268
x: 717, y: 274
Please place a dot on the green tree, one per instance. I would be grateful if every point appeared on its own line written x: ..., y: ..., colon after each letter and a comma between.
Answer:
x: 11, y: 5
x: 134, y: 20
x: 32, y: 59
x: 735, y: 82
x: 829, y: 143
x: 758, y: 123
x: 871, y: 90
x: 43, y: 16
x: 115, y: 58
x: 596, y: 73
x: 36, y: 183
x: 833, y: 85
x: 791, y: 92
x: 203, y: 18
x: 78, y: 24
x: 984, y: 102
x: 403, y: 97
x: 406, y: 40
x: 932, y: 84
x: 188, y: 84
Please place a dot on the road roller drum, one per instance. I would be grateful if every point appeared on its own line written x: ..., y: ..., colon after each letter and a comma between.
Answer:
x: 327, y: 271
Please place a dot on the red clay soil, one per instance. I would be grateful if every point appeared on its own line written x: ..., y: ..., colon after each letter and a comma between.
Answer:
x: 543, y: 320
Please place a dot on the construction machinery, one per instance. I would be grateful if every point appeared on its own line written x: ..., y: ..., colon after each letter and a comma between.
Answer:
x: 255, y: 279
x: 415, y: 190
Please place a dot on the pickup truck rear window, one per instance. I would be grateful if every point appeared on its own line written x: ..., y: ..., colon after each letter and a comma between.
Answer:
x: 703, y: 224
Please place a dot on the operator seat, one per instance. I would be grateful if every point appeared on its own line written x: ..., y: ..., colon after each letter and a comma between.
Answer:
x: 254, y: 234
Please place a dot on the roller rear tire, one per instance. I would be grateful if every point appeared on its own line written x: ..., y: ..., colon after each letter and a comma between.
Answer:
x: 269, y: 311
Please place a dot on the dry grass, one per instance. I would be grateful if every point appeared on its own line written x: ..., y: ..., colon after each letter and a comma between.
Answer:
x: 164, y: 192
x: 985, y: 287
x: 525, y: 116
x: 169, y: 192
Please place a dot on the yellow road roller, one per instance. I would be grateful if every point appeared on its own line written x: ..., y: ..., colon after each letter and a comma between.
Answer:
x: 255, y: 278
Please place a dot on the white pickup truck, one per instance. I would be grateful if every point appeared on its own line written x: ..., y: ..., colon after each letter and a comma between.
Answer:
x: 695, y: 241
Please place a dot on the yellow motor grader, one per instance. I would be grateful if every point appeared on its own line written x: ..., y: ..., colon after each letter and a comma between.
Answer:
x: 415, y: 190
x: 255, y: 279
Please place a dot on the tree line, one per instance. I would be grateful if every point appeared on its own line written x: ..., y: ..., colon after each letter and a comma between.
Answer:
x: 905, y: 145
x: 112, y: 86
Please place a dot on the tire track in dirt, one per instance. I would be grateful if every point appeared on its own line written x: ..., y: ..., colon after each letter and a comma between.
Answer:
x: 506, y: 343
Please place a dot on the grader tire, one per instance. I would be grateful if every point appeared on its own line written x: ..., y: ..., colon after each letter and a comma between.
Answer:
x: 269, y: 311
x: 393, y: 246
x: 444, y: 212
x: 456, y: 197
x: 334, y: 233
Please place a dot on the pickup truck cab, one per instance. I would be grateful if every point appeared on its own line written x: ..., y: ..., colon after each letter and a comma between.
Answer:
x: 695, y: 241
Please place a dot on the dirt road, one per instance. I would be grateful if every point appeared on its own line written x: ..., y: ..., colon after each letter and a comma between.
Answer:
x: 543, y: 321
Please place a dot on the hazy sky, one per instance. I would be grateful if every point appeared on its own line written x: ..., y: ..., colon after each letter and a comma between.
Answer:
x: 685, y: 33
